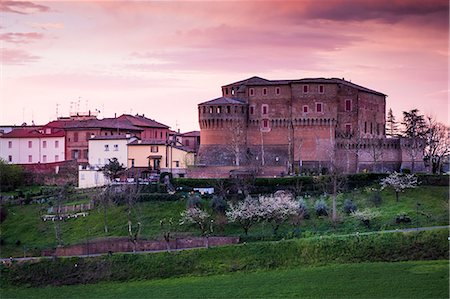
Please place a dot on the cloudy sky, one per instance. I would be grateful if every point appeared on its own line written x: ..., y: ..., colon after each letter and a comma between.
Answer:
x: 163, y: 58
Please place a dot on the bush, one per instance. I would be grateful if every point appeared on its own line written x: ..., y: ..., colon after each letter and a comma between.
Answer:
x: 388, y: 247
x: 365, y: 216
x: 376, y: 198
x: 11, y: 176
x: 402, y: 218
x: 194, y: 201
x: 218, y: 204
x: 321, y: 208
x: 3, y: 213
x: 349, y: 206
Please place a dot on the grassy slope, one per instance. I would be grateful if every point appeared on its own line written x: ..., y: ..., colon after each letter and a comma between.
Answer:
x: 417, y: 279
x: 23, y: 222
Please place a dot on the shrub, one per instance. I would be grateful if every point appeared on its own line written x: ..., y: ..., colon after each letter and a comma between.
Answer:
x: 194, y: 201
x: 218, y: 204
x: 321, y: 208
x: 159, y: 197
x: 375, y: 198
x: 3, y: 213
x: 349, y: 206
x: 365, y: 216
x: 402, y: 218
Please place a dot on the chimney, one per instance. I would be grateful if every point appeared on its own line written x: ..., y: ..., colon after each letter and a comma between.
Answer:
x: 178, y: 131
x: 115, y: 115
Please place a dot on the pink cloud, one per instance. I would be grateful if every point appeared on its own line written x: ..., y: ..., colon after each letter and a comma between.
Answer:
x: 17, y: 57
x: 21, y: 38
x: 22, y: 7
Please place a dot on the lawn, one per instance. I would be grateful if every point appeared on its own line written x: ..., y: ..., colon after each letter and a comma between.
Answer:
x: 24, y: 232
x: 415, y: 279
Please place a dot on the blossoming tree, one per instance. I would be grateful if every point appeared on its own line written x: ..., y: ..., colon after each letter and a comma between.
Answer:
x: 399, y: 182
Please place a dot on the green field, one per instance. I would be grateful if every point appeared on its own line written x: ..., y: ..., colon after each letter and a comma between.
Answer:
x: 415, y: 279
x: 24, y: 231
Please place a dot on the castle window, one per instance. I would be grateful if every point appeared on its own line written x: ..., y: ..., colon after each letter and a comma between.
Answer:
x: 265, y: 109
x: 365, y: 127
x: 252, y: 91
x: 252, y: 110
x: 321, y: 89
x: 305, y: 88
x: 228, y: 109
x: 264, y: 91
x: 371, y: 128
x: 265, y: 123
x: 242, y: 109
x: 348, y: 128
x: 75, y: 137
x: 305, y: 109
x: 378, y: 129
x: 318, y: 107
x: 277, y: 90
x: 348, y: 105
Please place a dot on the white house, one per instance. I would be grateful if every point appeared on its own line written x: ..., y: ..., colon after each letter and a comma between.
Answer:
x: 29, y: 146
x: 103, y: 148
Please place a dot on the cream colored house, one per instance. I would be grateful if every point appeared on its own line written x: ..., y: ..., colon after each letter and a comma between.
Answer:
x: 148, y: 156
x: 104, y: 148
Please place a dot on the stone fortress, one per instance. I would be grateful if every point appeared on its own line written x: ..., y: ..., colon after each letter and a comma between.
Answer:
x: 273, y: 127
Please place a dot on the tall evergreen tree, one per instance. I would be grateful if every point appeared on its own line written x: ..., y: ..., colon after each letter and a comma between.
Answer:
x: 391, y: 124
x: 414, y: 124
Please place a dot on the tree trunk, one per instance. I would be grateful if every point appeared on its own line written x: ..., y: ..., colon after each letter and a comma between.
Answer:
x: 334, y: 216
x: 104, y: 219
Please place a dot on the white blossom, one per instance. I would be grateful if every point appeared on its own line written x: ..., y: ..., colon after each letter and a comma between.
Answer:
x: 399, y: 182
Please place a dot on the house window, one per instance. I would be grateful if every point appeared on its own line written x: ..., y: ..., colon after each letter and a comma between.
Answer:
x: 9, y: 158
x: 265, y: 123
x: 88, y: 135
x: 30, y: 144
x: 252, y: 110
x: 160, y: 135
x: 211, y: 110
x: 305, y: 109
x: 44, y: 158
x: 252, y: 91
x: 186, y: 142
x: 318, y: 107
x: 106, y: 147
x: 321, y: 89
x: 348, y: 105
x: 277, y: 90
x: 44, y: 144
x: 265, y: 109
x: 9, y: 144
x: 264, y: 91
x: 56, y: 158
x: 177, y: 163
x: 75, y: 137
x: 226, y: 91
x: 132, y: 162
x: 154, y: 149
x: 219, y: 109
x: 30, y: 158
x: 348, y: 128
x: 56, y: 143
x: 75, y: 154
x: 305, y: 88
x: 232, y: 90
x: 156, y: 134
x: 228, y: 109
x: 204, y: 109
x: 116, y: 147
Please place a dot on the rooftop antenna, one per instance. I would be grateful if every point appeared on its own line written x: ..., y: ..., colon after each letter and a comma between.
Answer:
x: 176, y: 125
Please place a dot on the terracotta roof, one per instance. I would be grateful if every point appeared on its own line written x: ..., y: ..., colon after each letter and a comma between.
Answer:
x: 224, y: 101
x: 147, y: 142
x: 106, y: 123
x: 257, y: 81
x: 27, y: 133
x: 111, y: 137
x: 141, y: 121
x: 191, y: 134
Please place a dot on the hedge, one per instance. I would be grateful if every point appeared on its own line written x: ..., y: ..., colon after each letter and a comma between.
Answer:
x: 424, y: 245
x: 159, y: 197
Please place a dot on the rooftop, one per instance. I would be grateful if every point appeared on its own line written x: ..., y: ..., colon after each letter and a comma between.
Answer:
x: 31, y: 133
x: 224, y: 101
x: 258, y: 81
x: 142, y: 121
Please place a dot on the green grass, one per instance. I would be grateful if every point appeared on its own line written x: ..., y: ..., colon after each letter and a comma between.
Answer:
x: 23, y: 222
x: 417, y: 279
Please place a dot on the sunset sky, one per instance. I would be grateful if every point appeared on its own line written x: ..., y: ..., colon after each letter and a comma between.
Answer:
x: 163, y: 58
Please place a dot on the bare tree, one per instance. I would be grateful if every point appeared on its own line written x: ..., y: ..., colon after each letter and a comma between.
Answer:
x: 131, y: 193
x: 437, y: 144
x: 61, y: 195
x: 376, y: 153
x: 237, y: 139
